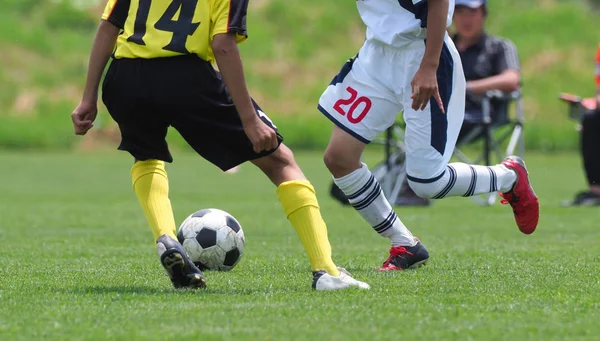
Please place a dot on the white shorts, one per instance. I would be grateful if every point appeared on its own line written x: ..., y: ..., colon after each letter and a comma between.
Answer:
x: 374, y: 87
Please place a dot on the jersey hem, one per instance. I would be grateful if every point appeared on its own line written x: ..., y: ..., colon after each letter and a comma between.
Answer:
x: 343, y: 127
x: 425, y: 181
x: 114, y: 22
x: 240, y: 30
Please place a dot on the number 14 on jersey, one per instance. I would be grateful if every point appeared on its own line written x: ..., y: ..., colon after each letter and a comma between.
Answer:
x: 181, y: 28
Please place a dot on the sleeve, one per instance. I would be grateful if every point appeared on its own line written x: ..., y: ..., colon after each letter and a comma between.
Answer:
x: 116, y: 12
x: 229, y: 16
x: 598, y: 67
x: 508, y: 58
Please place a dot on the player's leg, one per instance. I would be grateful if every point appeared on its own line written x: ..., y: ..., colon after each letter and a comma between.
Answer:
x: 295, y: 193
x: 590, y: 139
x: 430, y: 140
x: 342, y: 158
x: 143, y: 136
x: 362, y: 108
x: 301, y: 207
x: 151, y: 186
x: 213, y: 128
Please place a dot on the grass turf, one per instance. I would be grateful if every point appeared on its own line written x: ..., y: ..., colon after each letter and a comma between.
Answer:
x: 77, y: 261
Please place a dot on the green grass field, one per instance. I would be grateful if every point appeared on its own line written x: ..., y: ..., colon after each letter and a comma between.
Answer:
x: 77, y: 261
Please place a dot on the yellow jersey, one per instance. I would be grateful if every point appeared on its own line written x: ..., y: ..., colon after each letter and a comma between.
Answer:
x: 167, y: 28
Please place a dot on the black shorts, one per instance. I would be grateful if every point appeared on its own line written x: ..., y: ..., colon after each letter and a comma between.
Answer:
x: 147, y: 96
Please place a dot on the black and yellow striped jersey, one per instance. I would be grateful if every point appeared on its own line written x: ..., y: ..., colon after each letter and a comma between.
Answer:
x: 166, y: 28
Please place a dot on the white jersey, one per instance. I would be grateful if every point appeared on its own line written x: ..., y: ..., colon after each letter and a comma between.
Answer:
x: 397, y: 22
x: 365, y: 97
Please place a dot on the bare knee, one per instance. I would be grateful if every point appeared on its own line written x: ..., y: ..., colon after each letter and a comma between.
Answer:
x: 340, y: 163
x: 283, y: 156
x: 279, y: 159
x: 331, y: 160
x: 343, y: 153
x: 280, y: 166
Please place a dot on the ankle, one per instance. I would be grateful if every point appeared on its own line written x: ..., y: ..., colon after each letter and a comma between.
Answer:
x: 513, y: 184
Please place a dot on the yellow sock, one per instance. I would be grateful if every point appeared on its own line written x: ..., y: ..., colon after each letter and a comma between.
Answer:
x: 302, y: 209
x: 151, y: 186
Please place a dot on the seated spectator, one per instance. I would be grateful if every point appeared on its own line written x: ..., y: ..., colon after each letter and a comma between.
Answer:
x: 489, y: 62
x: 590, y: 143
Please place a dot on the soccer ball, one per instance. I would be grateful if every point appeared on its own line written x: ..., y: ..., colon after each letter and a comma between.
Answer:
x: 213, y: 239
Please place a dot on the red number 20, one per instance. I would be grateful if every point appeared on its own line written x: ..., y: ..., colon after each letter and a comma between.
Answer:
x: 354, y: 102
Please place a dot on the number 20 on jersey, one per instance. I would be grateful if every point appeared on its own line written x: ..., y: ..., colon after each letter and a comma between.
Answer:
x: 350, y: 106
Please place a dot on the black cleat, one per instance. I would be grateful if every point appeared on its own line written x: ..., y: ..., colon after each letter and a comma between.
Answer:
x: 181, y: 270
x: 406, y: 257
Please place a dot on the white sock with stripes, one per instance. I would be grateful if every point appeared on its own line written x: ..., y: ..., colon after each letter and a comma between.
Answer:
x: 367, y: 198
x: 461, y: 179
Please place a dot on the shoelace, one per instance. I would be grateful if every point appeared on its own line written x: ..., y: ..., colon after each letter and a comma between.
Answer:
x: 396, y: 251
x: 509, y: 198
x: 512, y: 199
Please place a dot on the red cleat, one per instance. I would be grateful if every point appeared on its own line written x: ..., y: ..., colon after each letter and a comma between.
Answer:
x: 522, y: 198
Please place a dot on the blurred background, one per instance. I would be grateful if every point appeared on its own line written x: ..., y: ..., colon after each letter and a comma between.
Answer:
x: 295, y: 47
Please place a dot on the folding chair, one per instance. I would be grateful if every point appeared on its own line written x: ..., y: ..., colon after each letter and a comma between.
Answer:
x: 495, y: 132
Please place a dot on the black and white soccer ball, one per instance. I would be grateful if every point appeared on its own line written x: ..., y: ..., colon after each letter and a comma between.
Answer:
x: 213, y: 239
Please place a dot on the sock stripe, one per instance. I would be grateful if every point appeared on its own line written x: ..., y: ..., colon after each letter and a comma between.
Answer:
x: 450, y: 184
x: 363, y: 189
x: 387, y: 223
x: 366, y: 204
x: 471, y: 188
x: 493, y: 180
x: 369, y: 198
x: 496, y: 186
x: 474, y: 180
x: 378, y: 226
